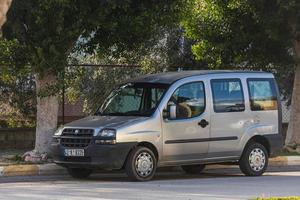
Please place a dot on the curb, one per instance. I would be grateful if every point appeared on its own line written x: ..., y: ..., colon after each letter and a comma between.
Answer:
x: 53, y: 169
x: 285, y: 161
x: 32, y: 170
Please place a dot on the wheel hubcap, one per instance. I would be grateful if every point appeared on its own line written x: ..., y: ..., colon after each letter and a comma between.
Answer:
x: 144, y: 164
x: 257, y: 159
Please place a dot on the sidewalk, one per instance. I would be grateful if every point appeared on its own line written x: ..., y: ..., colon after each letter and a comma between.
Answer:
x: 53, y: 169
x: 10, y: 156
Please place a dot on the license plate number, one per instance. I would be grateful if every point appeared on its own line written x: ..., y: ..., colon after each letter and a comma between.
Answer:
x: 74, y: 152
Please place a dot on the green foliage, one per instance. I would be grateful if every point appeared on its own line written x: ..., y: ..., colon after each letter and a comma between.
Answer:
x: 92, y: 85
x: 170, y: 51
x: 279, y: 198
x: 51, y: 30
x: 17, y: 97
x: 230, y: 32
x: 17, y: 158
x: 12, y: 54
x: 42, y: 28
x: 16, y: 86
x: 41, y: 37
x: 288, y: 153
x: 247, y: 34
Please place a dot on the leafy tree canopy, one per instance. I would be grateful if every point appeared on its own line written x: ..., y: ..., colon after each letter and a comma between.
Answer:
x: 51, y: 30
x: 234, y: 31
x: 41, y: 35
x: 169, y: 51
x: 257, y: 34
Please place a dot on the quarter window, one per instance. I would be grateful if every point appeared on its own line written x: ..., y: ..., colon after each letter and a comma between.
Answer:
x: 189, y: 100
x: 262, y: 94
x: 156, y: 94
x: 227, y: 95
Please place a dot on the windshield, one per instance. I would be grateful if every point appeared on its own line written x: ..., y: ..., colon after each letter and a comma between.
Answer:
x: 133, y: 99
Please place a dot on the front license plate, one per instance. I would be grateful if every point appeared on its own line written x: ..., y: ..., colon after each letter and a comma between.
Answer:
x: 74, y: 152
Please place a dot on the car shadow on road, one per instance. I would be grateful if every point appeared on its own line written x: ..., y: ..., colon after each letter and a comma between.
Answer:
x: 115, y: 177
x: 120, y: 176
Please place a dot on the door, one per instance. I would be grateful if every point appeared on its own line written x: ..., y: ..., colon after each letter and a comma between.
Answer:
x: 185, y: 137
x: 228, y: 117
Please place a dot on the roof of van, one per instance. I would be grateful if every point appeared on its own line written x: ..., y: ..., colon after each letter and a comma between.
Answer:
x: 171, y: 77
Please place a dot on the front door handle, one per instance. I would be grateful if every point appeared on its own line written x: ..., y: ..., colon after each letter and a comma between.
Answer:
x: 203, y: 123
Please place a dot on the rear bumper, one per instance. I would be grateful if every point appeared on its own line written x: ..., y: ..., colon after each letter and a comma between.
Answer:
x: 275, y: 144
x: 95, y: 156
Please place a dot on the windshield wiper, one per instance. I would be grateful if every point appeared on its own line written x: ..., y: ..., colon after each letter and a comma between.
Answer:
x: 114, y: 114
x: 134, y: 113
x: 98, y: 113
x: 131, y: 113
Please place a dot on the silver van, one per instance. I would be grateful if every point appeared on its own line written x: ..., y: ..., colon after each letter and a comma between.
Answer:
x: 188, y: 119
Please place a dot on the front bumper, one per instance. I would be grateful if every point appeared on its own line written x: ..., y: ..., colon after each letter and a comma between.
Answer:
x: 97, y: 156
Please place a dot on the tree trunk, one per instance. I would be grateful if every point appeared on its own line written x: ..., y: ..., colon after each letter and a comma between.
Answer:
x: 4, y: 6
x: 47, y: 114
x: 293, y: 134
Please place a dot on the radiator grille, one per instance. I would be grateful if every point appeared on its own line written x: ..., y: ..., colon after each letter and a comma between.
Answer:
x: 76, y: 137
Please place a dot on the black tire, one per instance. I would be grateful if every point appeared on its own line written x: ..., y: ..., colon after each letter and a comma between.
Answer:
x: 193, y: 169
x: 79, y: 173
x: 135, y: 157
x: 245, y: 161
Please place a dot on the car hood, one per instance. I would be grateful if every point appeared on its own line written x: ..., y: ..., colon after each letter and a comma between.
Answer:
x: 105, y: 121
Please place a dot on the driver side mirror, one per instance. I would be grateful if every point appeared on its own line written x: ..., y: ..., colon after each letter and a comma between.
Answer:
x: 170, y: 112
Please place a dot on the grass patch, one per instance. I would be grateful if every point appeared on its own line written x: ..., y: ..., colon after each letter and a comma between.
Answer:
x: 16, y: 159
x: 278, y: 198
x: 287, y: 153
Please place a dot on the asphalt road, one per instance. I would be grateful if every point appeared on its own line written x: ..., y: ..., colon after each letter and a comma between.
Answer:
x: 211, y: 184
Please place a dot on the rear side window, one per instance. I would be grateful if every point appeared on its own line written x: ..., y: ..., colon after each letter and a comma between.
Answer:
x: 262, y: 93
x: 227, y: 95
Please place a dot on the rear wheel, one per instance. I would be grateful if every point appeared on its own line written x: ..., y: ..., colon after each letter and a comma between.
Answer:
x: 79, y: 173
x: 254, y: 160
x: 141, y: 164
x: 193, y: 169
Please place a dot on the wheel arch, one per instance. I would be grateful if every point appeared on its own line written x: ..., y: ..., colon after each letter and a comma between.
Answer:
x: 149, y: 145
x: 261, y: 140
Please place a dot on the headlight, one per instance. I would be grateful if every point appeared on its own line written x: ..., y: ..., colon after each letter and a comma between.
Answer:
x: 107, y: 133
x: 106, y: 136
x: 58, y: 132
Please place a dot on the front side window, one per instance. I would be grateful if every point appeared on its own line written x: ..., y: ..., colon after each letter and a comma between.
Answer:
x: 189, y: 100
x: 227, y: 95
x: 133, y: 99
x: 262, y: 94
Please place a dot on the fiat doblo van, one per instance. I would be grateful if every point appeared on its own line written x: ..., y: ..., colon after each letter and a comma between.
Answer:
x: 188, y: 119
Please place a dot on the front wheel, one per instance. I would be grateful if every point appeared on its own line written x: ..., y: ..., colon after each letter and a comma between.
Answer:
x: 254, y: 160
x: 79, y: 173
x: 141, y: 164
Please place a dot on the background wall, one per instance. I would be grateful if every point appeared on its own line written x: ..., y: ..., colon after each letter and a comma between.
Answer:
x: 17, y: 138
